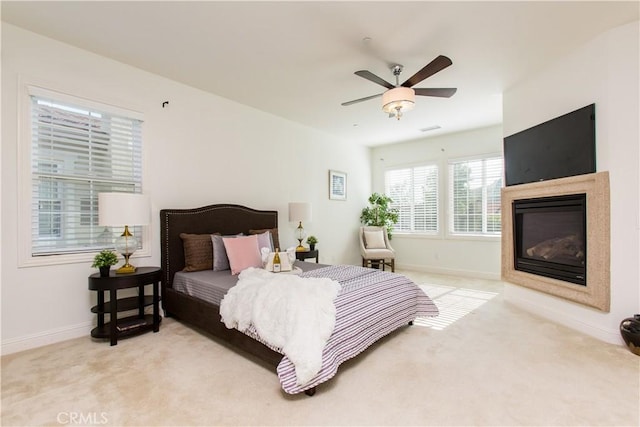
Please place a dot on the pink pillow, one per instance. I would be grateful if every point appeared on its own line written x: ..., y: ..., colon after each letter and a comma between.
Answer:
x: 243, y: 252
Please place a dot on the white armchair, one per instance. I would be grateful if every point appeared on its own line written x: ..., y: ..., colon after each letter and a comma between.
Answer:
x: 376, y: 249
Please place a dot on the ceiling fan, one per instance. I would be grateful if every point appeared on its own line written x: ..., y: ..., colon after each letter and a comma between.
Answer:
x: 401, y: 97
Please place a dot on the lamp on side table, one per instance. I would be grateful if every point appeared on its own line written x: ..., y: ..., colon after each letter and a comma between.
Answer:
x: 298, y: 212
x: 124, y: 209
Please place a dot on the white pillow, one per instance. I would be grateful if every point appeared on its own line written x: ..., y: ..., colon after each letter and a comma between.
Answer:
x: 374, y: 239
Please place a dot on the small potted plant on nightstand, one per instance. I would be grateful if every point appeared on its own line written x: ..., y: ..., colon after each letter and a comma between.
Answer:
x: 104, y: 260
x: 312, y: 240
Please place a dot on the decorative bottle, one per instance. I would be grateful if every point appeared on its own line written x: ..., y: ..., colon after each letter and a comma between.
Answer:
x: 277, y: 266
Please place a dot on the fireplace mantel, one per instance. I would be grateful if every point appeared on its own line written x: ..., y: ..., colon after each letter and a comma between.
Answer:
x: 596, y: 293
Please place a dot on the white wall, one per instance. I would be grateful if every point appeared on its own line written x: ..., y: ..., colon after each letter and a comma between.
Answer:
x: 604, y: 71
x: 202, y: 149
x: 445, y: 254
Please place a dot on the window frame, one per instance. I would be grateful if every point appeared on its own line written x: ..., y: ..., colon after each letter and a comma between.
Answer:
x: 28, y: 88
x: 450, y: 202
x: 438, y: 199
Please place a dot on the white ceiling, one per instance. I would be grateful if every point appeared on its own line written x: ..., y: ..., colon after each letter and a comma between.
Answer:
x: 297, y: 59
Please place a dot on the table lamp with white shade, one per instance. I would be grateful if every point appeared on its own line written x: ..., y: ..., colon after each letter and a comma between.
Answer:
x: 298, y: 212
x: 123, y: 210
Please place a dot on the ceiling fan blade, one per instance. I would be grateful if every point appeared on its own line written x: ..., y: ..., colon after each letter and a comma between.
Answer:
x: 438, y: 64
x: 355, y: 101
x: 373, y: 78
x: 442, y: 92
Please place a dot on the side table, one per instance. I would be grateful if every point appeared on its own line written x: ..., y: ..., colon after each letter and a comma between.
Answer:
x: 131, y: 325
x: 302, y: 255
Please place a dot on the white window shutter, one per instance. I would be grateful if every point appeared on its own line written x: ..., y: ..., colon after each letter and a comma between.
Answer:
x: 76, y: 153
x: 414, y: 192
x: 475, y: 195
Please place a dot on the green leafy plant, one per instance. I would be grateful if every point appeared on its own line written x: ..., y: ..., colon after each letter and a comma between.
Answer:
x: 312, y: 240
x: 380, y: 213
x: 105, y: 258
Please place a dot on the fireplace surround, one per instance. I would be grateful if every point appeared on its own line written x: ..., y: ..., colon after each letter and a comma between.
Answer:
x: 594, y: 290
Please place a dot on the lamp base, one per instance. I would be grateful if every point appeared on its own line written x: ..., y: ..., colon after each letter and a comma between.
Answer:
x: 301, y: 249
x: 126, y: 244
x: 126, y: 269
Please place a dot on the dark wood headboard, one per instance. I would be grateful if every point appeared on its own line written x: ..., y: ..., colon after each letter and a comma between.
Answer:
x: 221, y: 218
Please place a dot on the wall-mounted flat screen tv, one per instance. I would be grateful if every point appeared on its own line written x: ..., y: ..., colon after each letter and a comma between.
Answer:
x: 564, y: 146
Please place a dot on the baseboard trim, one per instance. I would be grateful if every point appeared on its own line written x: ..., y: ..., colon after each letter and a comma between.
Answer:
x: 606, y: 335
x: 450, y: 272
x: 14, y: 345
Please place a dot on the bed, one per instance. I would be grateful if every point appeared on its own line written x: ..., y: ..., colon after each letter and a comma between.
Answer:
x: 366, y: 325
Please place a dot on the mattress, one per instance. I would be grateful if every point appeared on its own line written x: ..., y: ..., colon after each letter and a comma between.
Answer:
x: 212, y: 286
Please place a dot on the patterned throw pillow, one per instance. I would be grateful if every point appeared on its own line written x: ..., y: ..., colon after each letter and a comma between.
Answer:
x: 198, y: 252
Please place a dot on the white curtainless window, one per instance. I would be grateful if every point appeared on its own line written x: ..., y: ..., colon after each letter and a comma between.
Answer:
x: 475, y: 196
x: 414, y: 191
x: 79, y: 148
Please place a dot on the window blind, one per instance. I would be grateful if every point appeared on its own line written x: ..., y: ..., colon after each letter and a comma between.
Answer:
x: 475, y: 195
x: 76, y: 153
x: 414, y: 192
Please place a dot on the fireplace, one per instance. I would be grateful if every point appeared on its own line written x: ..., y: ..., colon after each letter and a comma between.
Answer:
x: 555, y: 238
x: 549, y: 237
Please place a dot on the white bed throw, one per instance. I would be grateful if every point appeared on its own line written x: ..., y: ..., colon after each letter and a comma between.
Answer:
x: 292, y: 313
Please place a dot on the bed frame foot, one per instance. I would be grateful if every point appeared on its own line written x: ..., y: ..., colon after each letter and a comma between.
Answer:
x: 310, y: 392
x: 411, y: 323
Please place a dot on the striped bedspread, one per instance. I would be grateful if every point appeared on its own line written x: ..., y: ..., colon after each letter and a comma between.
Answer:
x: 371, y: 305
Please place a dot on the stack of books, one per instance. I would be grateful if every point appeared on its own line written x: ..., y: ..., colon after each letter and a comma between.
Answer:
x: 128, y: 324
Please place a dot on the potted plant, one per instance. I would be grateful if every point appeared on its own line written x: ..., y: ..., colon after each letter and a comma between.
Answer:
x: 380, y: 213
x: 104, y: 260
x: 312, y: 240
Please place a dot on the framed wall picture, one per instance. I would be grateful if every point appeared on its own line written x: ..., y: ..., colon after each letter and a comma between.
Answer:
x: 337, y: 185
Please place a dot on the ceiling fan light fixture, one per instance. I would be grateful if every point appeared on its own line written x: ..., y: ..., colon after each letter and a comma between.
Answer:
x: 398, y: 100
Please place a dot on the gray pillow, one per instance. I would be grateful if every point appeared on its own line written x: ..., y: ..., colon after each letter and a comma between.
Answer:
x: 220, y: 258
x: 275, y: 243
x: 265, y: 241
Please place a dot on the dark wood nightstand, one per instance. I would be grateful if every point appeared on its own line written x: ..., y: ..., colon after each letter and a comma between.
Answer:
x: 302, y: 255
x: 130, y: 325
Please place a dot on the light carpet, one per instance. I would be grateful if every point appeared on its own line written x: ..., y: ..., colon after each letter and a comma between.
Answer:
x: 484, y: 363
